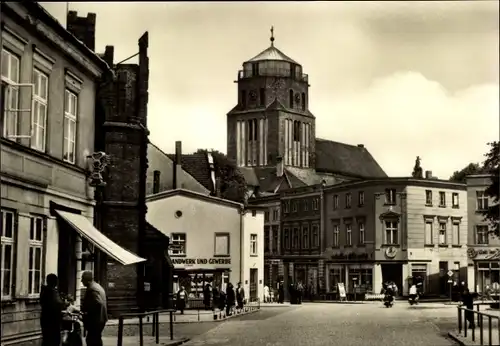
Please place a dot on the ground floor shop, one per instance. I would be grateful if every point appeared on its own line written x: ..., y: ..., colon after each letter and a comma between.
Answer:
x: 485, y: 274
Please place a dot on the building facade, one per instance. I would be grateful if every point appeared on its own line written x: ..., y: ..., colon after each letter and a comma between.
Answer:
x: 483, y: 247
x: 49, y: 84
x: 214, y: 241
x: 273, y: 264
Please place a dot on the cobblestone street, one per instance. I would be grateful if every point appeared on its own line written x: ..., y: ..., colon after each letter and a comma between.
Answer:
x: 335, y: 324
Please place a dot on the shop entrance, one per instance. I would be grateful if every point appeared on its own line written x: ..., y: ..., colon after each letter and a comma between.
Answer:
x: 393, y: 272
x: 195, y: 281
x: 254, y: 280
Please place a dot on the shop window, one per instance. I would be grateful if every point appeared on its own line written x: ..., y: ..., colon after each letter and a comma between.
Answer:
x: 336, y: 276
x: 360, y: 280
x: 36, y: 255
x: 178, y: 241
x: 221, y: 244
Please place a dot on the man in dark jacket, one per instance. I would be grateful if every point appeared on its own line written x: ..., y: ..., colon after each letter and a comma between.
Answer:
x: 468, y: 301
x: 51, y: 314
x: 94, y: 308
x: 230, y: 298
x: 240, y: 296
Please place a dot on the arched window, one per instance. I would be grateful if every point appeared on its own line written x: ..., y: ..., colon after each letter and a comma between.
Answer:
x: 290, y: 98
x: 303, y: 101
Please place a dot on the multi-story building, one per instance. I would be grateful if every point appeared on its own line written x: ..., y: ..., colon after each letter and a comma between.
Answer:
x: 483, y: 247
x: 395, y: 229
x: 49, y: 84
x: 301, y: 236
x: 273, y: 266
x: 214, y: 241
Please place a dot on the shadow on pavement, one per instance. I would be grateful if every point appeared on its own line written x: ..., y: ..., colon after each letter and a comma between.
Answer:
x: 261, y: 315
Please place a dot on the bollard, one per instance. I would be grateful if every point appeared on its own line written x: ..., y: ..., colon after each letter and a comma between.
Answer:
x: 466, y: 323
x: 481, y: 328
x: 141, y: 336
x: 157, y: 328
x: 459, y: 320
x: 153, y: 325
x: 490, y: 335
x: 171, y: 327
x: 198, y: 315
x: 473, y: 329
x: 120, y: 331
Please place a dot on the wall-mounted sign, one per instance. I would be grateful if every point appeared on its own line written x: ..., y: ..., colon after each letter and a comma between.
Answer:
x: 391, y: 252
x: 487, y: 253
x: 192, y: 261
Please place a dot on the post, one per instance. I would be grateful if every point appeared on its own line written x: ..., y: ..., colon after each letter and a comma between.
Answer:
x: 198, y: 314
x: 120, y: 331
x: 157, y: 328
x: 465, y: 323
x: 490, y: 335
x: 171, y: 327
x: 480, y: 327
x: 153, y: 325
x: 459, y: 320
x: 450, y: 289
x: 473, y: 327
x: 141, y: 336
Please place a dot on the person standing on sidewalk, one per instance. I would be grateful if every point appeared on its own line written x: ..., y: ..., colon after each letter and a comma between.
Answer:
x: 94, y: 309
x: 230, y: 298
x: 181, y: 299
x: 468, y: 301
x: 240, y: 296
x: 51, y: 314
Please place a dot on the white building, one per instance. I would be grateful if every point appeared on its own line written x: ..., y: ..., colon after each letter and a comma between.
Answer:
x: 215, y: 241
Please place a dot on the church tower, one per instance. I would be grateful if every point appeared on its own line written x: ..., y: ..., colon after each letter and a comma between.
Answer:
x: 271, y: 119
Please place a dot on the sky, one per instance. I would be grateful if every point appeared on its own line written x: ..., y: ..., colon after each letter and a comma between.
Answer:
x: 405, y: 79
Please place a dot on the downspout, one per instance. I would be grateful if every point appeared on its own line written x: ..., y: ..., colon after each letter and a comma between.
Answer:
x: 322, y: 238
x: 242, y: 244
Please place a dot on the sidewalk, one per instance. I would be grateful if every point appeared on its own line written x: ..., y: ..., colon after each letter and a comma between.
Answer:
x: 461, y: 339
x: 148, y: 341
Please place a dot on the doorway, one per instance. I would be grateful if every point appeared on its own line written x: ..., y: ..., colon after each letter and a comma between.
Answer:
x: 254, y: 279
x: 393, y: 272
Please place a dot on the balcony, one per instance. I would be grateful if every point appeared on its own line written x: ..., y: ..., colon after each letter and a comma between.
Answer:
x: 273, y: 72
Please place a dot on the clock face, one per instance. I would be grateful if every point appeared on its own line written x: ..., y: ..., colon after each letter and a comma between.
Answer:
x: 297, y: 98
x: 253, y: 95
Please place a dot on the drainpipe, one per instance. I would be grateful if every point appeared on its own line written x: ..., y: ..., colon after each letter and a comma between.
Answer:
x: 242, y: 245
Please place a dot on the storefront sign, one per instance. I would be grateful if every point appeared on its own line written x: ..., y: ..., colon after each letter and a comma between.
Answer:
x: 349, y: 256
x: 193, y: 261
x: 487, y: 253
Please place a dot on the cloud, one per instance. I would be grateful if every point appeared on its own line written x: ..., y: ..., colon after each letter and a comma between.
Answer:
x: 404, y: 115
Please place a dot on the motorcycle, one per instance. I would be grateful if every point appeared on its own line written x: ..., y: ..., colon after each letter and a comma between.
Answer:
x: 72, y: 329
x: 388, y: 301
x: 413, y: 299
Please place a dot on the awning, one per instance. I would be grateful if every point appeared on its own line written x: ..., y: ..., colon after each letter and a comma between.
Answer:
x: 85, y: 228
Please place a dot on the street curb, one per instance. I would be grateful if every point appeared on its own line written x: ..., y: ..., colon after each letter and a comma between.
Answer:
x: 180, y: 342
x: 458, y: 339
x: 218, y: 320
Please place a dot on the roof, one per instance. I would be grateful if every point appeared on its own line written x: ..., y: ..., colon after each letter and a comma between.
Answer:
x: 346, y: 159
x: 272, y: 53
x: 42, y: 14
x: 436, y: 183
x: 192, y: 194
x: 198, y: 167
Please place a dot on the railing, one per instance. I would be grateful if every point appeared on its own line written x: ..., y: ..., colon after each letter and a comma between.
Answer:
x: 214, y: 310
x: 464, y: 326
x: 273, y: 72
x: 155, y: 324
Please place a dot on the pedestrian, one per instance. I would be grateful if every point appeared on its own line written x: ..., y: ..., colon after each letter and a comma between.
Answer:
x: 94, y: 309
x: 182, y: 297
x: 468, y: 301
x: 292, y: 293
x: 207, y: 296
x: 281, y: 292
x: 266, y: 294
x: 230, y: 299
x: 300, y: 292
x: 240, y: 296
x: 51, y: 315
x: 221, y: 301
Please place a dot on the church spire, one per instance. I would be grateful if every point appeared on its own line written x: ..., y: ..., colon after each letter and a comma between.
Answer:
x: 272, y: 36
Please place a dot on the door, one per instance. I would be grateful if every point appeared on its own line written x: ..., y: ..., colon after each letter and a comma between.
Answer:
x: 443, y: 278
x: 393, y: 272
x: 254, y: 279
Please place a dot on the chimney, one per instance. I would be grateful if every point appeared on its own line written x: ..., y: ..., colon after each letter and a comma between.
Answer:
x: 109, y: 55
x: 83, y: 28
x: 279, y: 166
x: 177, y: 165
x: 361, y: 145
x: 428, y: 174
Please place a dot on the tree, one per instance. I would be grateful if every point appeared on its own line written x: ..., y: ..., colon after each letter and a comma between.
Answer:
x: 232, y: 182
x: 492, y: 166
x: 471, y: 168
x: 417, y: 170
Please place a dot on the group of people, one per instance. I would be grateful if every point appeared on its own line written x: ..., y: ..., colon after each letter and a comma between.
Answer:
x: 296, y: 291
x: 215, y: 297
x: 275, y: 296
x: 54, y: 310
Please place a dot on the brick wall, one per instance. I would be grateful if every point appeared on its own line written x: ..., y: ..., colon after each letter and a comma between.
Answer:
x: 83, y: 28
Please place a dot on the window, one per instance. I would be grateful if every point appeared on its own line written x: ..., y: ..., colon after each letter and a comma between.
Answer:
x: 221, y: 244
x: 267, y: 239
x: 391, y: 232
x: 294, y: 206
x: 156, y: 181
x: 482, y: 235
x: 7, y: 254
x: 39, y: 116
x: 286, y: 206
x: 10, y: 76
x: 454, y: 199
x: 315, y: 204
x: 276, y: 214
x: 305, y: 237
x: 306, y: 206
x: 348, y: 200
x: 178, y: 240
x: 286, y: 238
x: 303, y: 99
x: 456, y: 233
x: 390, y: 196
x: 243, y: 96
x: 253, y: 130
x: 482, y: 200
x: 442, y: 233
x: 37, y: 224
x: 348, y: 231
x: 428, y: 197
x: 266, y: 216
x: 442, y: 199
x: 253, y: 245
x: 296, y: 131
x: 70, y: 118
x: 335, y: 201
x: 428, y: 232
x: 336, y: 233
x: 361, y: 198
x: 290, y: 99
x: 275, y: 238
x: 262, y: 97
x: 315, y: 236
x: 419, y: 273
x: 361, y: 226
x: 295, y: 238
